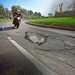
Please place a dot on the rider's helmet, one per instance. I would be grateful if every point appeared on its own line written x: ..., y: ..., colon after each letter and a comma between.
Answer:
x: 18, y: 11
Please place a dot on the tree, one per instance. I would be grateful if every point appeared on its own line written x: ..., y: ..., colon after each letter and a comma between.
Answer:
x: 61, y: 9
x: 14, y: 8
x: 30, y: 13
x: 7, y: 12
x: 37, y: 14
x: 74, y: 5
x: 24, y: 11
x: 2, y: 11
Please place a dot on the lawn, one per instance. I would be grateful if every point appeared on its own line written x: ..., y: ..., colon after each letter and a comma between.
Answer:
x: 4, y: 20
x: 57, y: 21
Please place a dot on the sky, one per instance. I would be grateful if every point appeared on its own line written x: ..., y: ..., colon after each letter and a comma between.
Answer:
x: 43, y: 6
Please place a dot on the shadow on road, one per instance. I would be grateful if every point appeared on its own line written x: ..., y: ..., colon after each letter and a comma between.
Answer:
x: 4, y: 28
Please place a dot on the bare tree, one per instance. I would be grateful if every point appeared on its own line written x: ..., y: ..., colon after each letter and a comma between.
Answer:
x: 61, y: 8
x: 74, y: 5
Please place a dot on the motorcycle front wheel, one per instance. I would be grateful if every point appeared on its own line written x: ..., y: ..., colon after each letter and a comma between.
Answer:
x: 16, y: 23
x: 17, y: 26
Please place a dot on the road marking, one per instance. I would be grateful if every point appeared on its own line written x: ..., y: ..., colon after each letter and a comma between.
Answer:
x: 42, y: 67
x: 20, y: 48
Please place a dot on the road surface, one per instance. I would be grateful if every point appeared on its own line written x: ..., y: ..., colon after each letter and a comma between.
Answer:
x: 56, y: 56
x: 12, y: 61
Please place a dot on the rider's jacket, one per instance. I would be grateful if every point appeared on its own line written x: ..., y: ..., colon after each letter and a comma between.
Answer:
x: 15, y: 14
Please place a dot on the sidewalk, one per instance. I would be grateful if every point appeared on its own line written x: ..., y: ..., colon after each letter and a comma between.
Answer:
x: 64, y: 27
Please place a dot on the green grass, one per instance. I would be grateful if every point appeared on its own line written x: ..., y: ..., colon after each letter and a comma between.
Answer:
x: 4, y: 20
x: 53, y: 21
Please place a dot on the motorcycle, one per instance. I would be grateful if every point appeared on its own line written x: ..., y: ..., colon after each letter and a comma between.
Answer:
x: 17, y: 21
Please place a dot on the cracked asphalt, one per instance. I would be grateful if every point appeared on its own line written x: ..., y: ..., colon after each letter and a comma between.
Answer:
x: 12, y: 61
x: 57, y: 53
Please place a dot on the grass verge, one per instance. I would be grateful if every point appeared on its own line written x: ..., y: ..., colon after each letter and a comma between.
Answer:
x: 5, y: 20
x: 60, y: 21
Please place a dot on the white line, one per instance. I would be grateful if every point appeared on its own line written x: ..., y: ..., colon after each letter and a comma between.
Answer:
x: 39, y: 65
x: 21, y: 49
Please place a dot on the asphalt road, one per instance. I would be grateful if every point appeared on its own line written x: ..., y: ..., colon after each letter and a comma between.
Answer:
x: 55, y: 56
x: 12, y: 61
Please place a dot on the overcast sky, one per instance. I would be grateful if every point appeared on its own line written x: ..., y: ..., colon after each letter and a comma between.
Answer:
x: 43, y: 6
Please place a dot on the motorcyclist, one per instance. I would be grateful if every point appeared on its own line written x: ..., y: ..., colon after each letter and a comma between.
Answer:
x: 16, y: 14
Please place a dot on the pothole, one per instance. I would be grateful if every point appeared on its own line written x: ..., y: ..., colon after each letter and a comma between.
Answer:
x: 69, y: 44
x: 47, y: 43
x: 36, y: 38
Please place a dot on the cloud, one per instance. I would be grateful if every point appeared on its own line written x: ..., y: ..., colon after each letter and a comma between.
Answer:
x: 43, y: 6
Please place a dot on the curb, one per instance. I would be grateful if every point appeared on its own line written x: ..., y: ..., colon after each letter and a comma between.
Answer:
x: 70, y: 28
